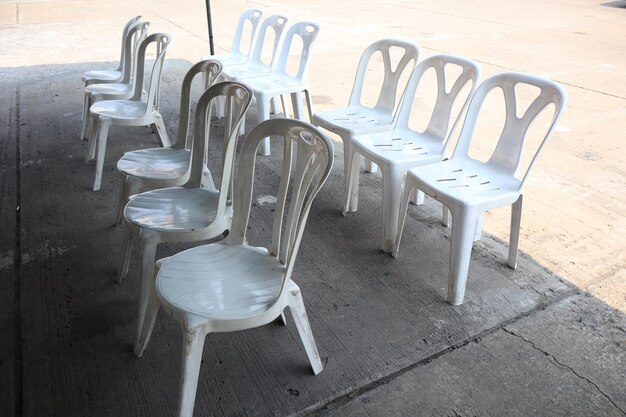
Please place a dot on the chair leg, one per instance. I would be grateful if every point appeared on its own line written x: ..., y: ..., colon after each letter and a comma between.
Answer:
x: 263, y: 110
x: 309, y: 105
x: 478, y: 230
x: 127, y: 249
x: 282, y: 319
x: 516, y: 219
x: 392, y: 191
x: 122, y: 198
x: 193, y: 344
x: 129, y: 187
x: 101, y: 145
x: 463, y: 227
x: 370, y: 166
x: 417, y: 197
x: 298, y: 110
x: 351, y: 178
x: 445, y: 216
x: 148, y: 255
x: 145, y: 332
x: 92, y: 135
x: 296, y: 306
x: 85, y: 116
x: 402, y: 210
x: 161, y: 131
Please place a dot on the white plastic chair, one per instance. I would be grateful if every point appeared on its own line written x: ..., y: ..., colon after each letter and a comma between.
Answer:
x: 120, y: 89
x: 279, y: 81
x: 469, y: 187
x: 272, y: 26
x: 189, y: 213
x: 397, y: 150
x: 237, y: 56
x: 230, y: 285
x: 113, y: 75
x: 139, y: 110
x: 164, y: 167
x: 357, y: 118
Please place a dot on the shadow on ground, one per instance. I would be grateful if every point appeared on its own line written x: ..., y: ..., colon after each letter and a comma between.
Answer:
x: 525, y: 342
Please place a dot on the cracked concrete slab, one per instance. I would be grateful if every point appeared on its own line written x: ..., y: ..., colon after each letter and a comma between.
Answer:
x: 565, y: 360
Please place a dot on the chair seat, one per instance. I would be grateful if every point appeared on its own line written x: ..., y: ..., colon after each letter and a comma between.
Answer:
x: 109, y: 89
x: 155, y: 163
x: 461, y: 181
x: 241, y: 72
x: 219, y: 281
x: 399, y: 147
x: 120, y: 109
x: 101, y: 75
x: 174, y: 209
x: 275, y: 84
x: 353, y: 120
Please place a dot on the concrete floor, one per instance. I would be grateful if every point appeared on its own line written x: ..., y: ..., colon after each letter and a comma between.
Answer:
x: 546, y: 339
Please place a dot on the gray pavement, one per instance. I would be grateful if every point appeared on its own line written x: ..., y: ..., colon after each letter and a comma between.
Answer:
x: 546, y: 339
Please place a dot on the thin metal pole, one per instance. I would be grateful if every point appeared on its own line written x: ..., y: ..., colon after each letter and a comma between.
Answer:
x: 208, y: 18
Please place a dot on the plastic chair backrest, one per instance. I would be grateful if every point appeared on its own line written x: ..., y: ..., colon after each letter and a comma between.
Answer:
x: 507, y: 154
x: 274, y: 24
x: 125, y: 31
x: 162, y: 41
x: 212, y: 69
x: 307, y: 31
x: 309, y: 154
x: 386, y: 101
x: 439, y: 123
x: 238, y: 98
x: 135, y: 35
x: 254, y: 17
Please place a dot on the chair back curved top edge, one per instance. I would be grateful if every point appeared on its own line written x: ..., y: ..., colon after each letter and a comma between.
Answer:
x: 508, y: 150
x: 254, y: 17
x: 162, y: 41
x: 439, y: 123
x: 277, y: 24
x: 125, y: 31
x: 386, y: 101
x: 308, y: 32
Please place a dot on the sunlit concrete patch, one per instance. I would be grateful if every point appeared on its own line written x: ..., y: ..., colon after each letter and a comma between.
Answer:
x: 46, y: 251
x: 264, y: 200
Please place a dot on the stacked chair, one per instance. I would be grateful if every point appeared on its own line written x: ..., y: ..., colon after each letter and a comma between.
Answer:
x: 121, y: 87
x: 165, y: 167
x: 123, y: 101
x: 266, y: 71
x: 113, y: 75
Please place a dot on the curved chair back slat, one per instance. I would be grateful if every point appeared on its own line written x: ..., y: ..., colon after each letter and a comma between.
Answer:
x: 253, y: 17
x: 386, y: 101
x: 307, y: 161
x: 212, y: 69
x: 238, y: 98
x: 508, y: 151
x: 438, y: 127
x: 125, y: 31
x: 307, y: 32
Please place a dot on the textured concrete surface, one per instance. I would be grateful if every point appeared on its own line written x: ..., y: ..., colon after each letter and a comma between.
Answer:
x: 526, y: 342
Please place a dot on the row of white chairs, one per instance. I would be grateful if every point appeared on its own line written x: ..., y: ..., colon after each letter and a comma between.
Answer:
x: 229, y: 285
x: 420, y: 162
x: 118, y: 97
